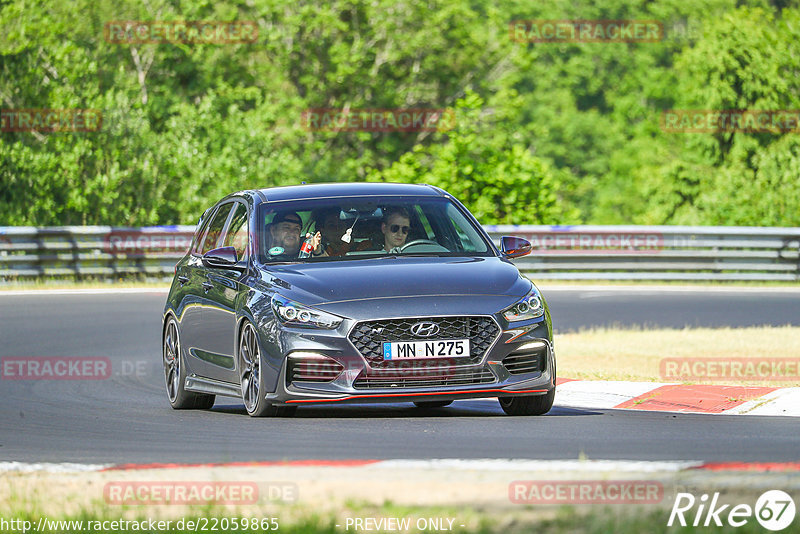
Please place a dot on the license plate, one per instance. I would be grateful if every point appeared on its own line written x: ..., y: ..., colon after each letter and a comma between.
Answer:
x: 407, y: 350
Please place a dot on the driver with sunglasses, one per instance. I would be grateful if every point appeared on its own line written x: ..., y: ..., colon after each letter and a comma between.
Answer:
x: 395, y: 227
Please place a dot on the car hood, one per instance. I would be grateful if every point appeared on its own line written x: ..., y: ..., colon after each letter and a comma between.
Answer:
x: 395, y: 283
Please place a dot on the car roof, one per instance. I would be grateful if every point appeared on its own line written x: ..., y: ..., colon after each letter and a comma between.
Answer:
x: 310, y: 191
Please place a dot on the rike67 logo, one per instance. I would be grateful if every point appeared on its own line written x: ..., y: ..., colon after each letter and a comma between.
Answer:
x: 774, y: 510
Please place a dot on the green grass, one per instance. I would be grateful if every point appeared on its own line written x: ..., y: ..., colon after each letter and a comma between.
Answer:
x: 636, y: 353
x: 541, y: 520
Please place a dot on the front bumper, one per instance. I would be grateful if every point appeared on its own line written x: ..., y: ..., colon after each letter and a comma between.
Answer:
x: 495, y: 380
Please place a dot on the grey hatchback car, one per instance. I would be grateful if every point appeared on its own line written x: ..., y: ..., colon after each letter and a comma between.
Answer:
x: 353, y: 293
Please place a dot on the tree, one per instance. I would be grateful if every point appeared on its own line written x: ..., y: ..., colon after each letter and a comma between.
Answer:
x: 500, y: 183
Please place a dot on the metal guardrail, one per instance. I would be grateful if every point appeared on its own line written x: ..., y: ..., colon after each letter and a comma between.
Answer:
x: 91, y: 251
x: 658, y: 252
x: 559, y: 252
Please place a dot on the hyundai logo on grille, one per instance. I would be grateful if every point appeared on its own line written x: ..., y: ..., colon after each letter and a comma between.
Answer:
x: 425, y: 329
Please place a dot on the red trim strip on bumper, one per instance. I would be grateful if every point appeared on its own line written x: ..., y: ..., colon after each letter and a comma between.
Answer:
x: 386, y: 395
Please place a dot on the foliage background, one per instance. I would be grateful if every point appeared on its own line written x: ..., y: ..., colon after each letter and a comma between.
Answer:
x: 553, y: 133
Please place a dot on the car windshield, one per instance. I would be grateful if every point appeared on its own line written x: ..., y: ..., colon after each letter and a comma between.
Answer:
x: 359, y: 228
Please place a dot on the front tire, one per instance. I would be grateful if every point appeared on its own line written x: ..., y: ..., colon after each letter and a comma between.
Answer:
x: 251, y: 378
x: 175, y: 373
x: 528, y: 405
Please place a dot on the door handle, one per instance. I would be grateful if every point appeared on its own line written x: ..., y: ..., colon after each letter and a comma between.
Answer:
x: 207, y: 286
x: 182, y: 279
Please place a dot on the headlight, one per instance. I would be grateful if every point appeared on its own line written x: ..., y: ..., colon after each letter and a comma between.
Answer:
x: 528, y: 308
x: 296, y: 314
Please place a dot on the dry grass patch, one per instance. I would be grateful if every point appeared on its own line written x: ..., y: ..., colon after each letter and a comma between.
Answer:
x: 635, y: 354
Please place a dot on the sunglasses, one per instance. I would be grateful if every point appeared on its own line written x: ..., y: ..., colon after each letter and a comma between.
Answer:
x: 396, y: 227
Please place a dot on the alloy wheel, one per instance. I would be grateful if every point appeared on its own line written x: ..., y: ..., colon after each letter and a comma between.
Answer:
x: 172, y: 361
x: 250, y: 358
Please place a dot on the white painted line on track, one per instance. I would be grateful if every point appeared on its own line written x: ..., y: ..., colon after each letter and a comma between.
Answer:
x: 451, y: 464
x: 784, y: 401
x: 98, y: 291
x: 604, y: 395
x: 22, y: 467
x: 600, y: 394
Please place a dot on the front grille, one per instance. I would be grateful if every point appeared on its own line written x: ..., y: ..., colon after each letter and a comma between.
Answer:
x: 530, y: 361
x: 451, y: 377
x: 369, y: 336
x: 313, y: 369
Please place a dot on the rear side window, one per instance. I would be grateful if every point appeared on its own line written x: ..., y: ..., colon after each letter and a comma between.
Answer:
x: 215, y: 227
x: 202, y: 228
x: 237, y: 235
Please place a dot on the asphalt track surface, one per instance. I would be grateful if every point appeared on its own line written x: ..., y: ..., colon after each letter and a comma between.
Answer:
x: 126, y: 418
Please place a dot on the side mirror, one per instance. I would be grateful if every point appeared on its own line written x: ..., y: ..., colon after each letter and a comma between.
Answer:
x: 222, y: 258
x: 514, y: 247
